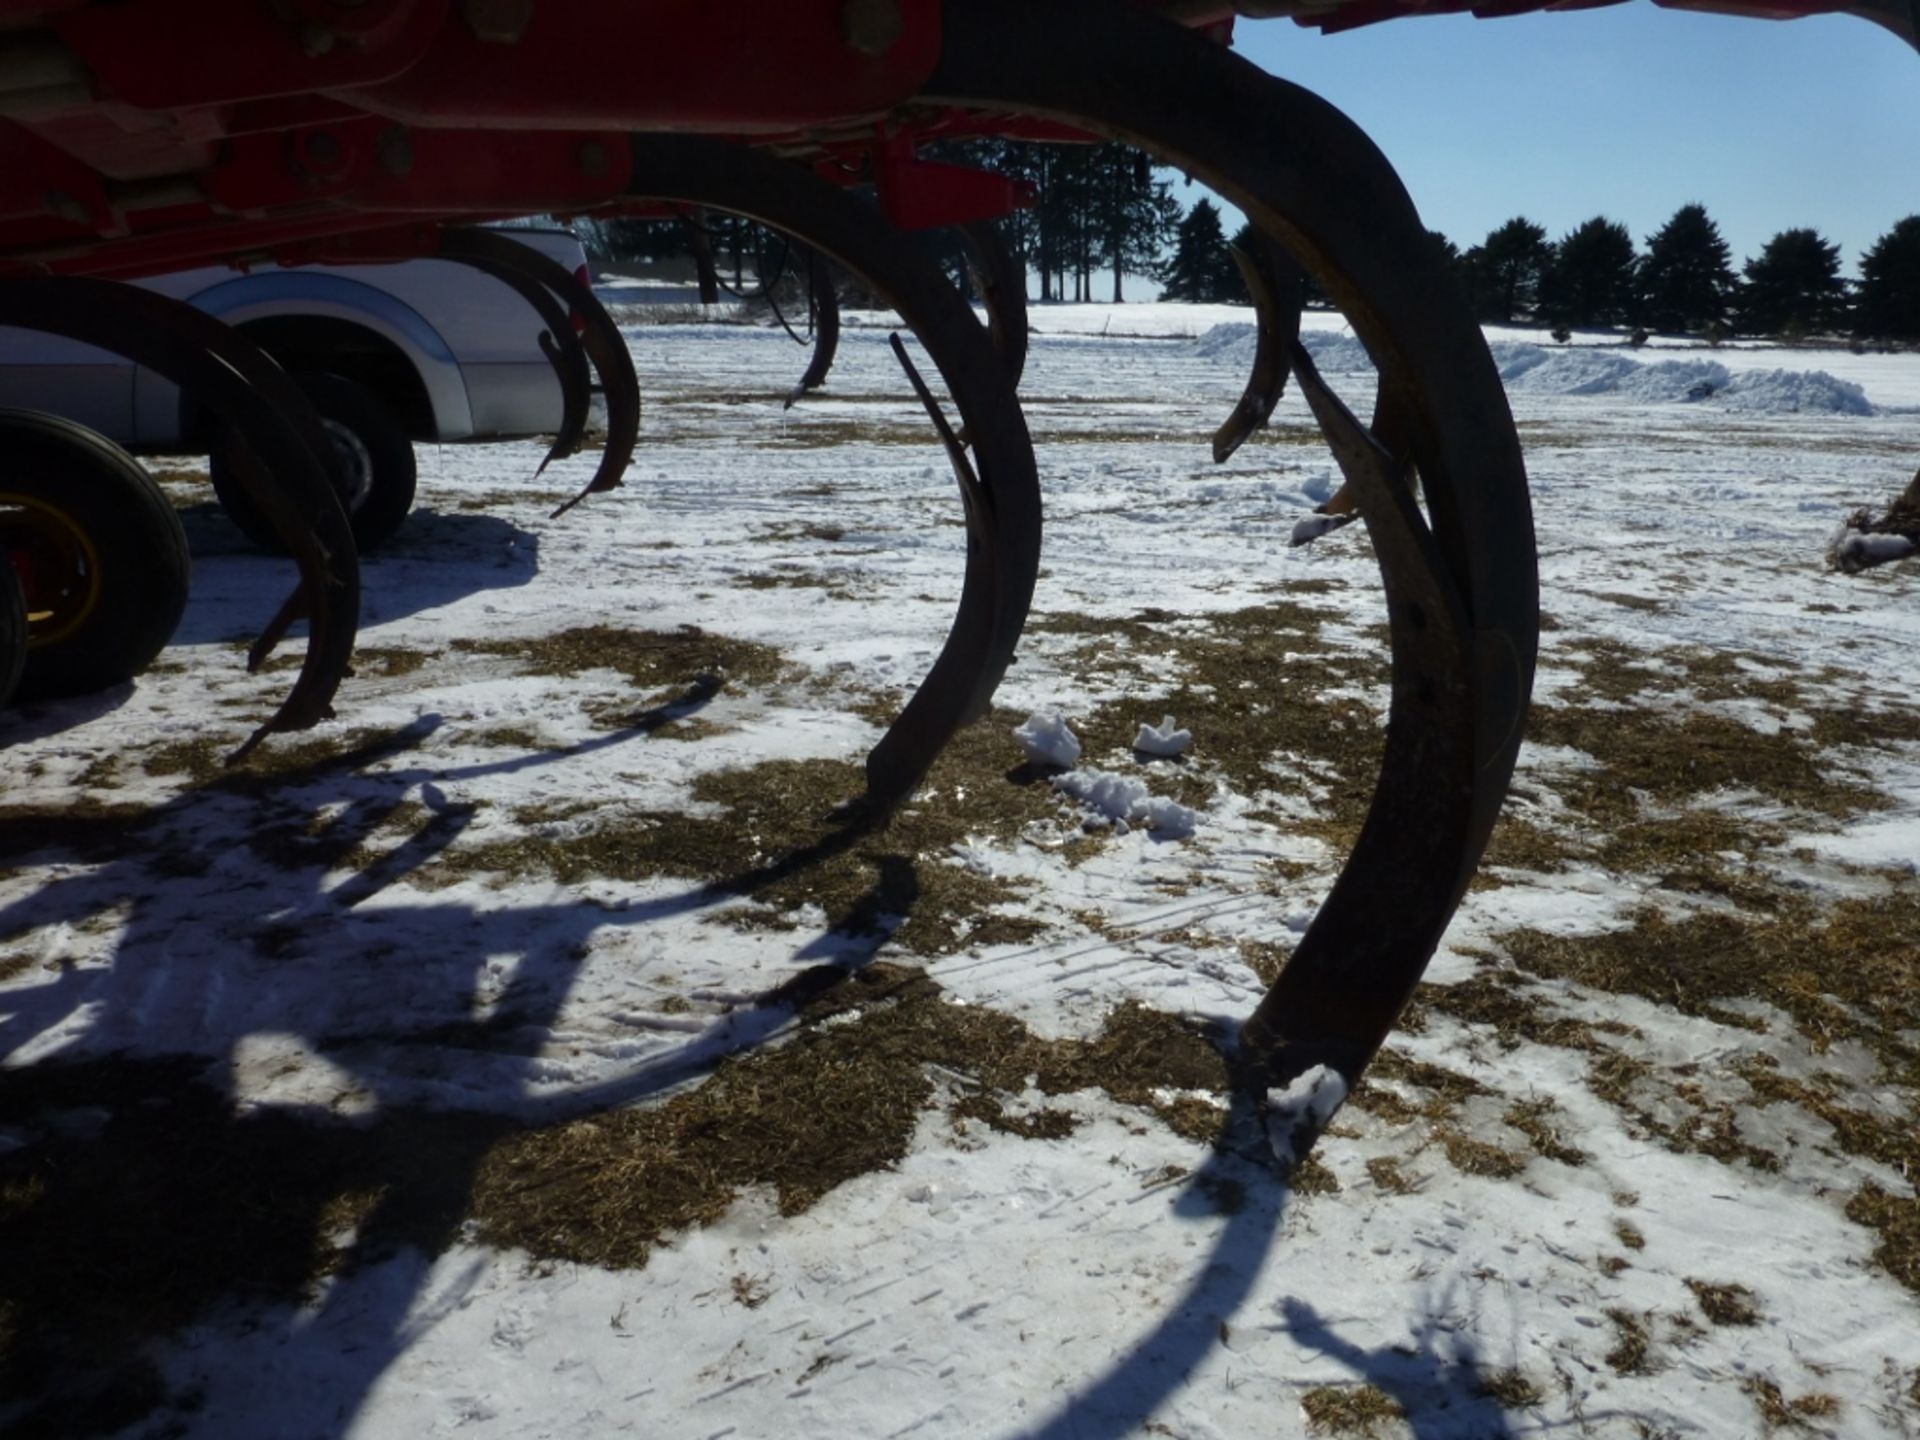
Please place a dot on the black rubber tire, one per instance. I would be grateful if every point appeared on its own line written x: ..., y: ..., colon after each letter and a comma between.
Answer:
x: 102, y: 553
x: 379, y: 456
x: 13, y: 630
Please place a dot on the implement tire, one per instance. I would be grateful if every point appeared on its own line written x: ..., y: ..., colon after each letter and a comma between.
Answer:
x: 377, y: 461
x: 13, y: 630
x: 98, y: 551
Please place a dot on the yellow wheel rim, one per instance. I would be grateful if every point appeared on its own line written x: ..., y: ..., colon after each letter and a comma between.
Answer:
x: 58, y: 566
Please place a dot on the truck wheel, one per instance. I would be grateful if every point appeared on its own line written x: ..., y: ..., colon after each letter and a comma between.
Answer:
x: 377, y: 460
x: 98, y: 552
x: 13, y: 629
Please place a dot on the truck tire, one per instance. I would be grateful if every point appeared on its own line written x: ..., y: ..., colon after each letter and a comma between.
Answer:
x: 97, y: 549
x: 377, y: 456
x: 13, y: 630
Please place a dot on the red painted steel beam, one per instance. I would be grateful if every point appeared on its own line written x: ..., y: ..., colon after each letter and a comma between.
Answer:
x: 161, y: 55
x: 683, y: 65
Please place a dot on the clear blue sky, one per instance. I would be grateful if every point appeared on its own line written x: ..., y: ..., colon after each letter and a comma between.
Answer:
x: 1629, y: 112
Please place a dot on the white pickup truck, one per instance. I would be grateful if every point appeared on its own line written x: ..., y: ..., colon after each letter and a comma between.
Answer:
x: 93, y: 559
x: 424, y: 350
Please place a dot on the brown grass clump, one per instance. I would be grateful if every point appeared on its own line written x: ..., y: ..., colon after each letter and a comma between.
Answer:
x: 1350, y: 1409
x: 835, y: 1102
x: 1852, y: 969
x: 1632, y: 1345
x: 1385, y: 1171
x: 779, y: 833
x: 387, y: 662
x: 1477, y: 1157
x: 1777, y: 1412
x: 1896, y: 1219
x: 1656, y: 803
x: 651, y: 659
x: 1725, y: 1304
x: 1537, y: 1119
x: 1256, y: 686
x: 1446, y: 1090
x: 1509, y: 1389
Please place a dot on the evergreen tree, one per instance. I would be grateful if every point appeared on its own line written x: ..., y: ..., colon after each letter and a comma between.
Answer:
x: 1686, y: 281
x: 1591, y: 279
x: 1503, y: 272
x: 1135, y: 215
x: 1794, y: 286
x: 1889, y: 299
x: 1098, y: 207
x: 1201, y: 269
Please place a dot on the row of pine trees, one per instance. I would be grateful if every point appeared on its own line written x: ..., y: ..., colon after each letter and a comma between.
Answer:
x: 1683, y: 283
x: 1101, y: 215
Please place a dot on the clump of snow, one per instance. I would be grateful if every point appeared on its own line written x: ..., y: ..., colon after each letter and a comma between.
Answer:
x: 1167, y: 817
x: 1116, y: 796
x: 1163, y: 739
x: 1126, y: 800
x: 1854, y: 550
x: 1311, y: 528
x: 1045, y: 738
x: 1297, y: 1114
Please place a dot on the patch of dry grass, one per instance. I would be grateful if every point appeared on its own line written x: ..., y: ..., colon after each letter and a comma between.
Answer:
x: 653, y: 660
x: 173, y: 1202
x: 837, y: 1101
x: 1778, y: 1412
x: 778, y: 833
x: 1727, y: 1304
x: 1350, y: 1409
x: 1632, y: 1344
x: 1850, y: 969
x: 1509, y: 1389
x: 1538, y: 1119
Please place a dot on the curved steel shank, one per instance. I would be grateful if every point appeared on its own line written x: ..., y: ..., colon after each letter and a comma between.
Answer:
x: 1274, y: 283
x: 601, y: 339
x: 823, y: 301
x: 290, y: 483
x: 1461, y: 585
x: 1003, y: 550
x: 558, y: 343
x: 1002, y: 283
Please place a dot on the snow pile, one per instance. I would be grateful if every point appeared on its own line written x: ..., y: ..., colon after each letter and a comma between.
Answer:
x: 1797, y: 392
x: 1045, y: 738
x: 1163, y: 740
x: 1334, y: 352
x: 1529, y: 369
x: 1228, y: 344
x: 1297, y: 1114
x: 1536, y: 370
x: 1127, y: 802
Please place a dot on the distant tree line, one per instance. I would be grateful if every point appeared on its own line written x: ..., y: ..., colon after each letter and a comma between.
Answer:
x: 1684, y: 281
x: 1100, y: 210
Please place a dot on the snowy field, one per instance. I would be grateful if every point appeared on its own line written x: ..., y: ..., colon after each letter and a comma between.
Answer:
x: 522, y: 1055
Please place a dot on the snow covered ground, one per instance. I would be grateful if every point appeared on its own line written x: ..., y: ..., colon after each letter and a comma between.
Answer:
x: 469, y: 1065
